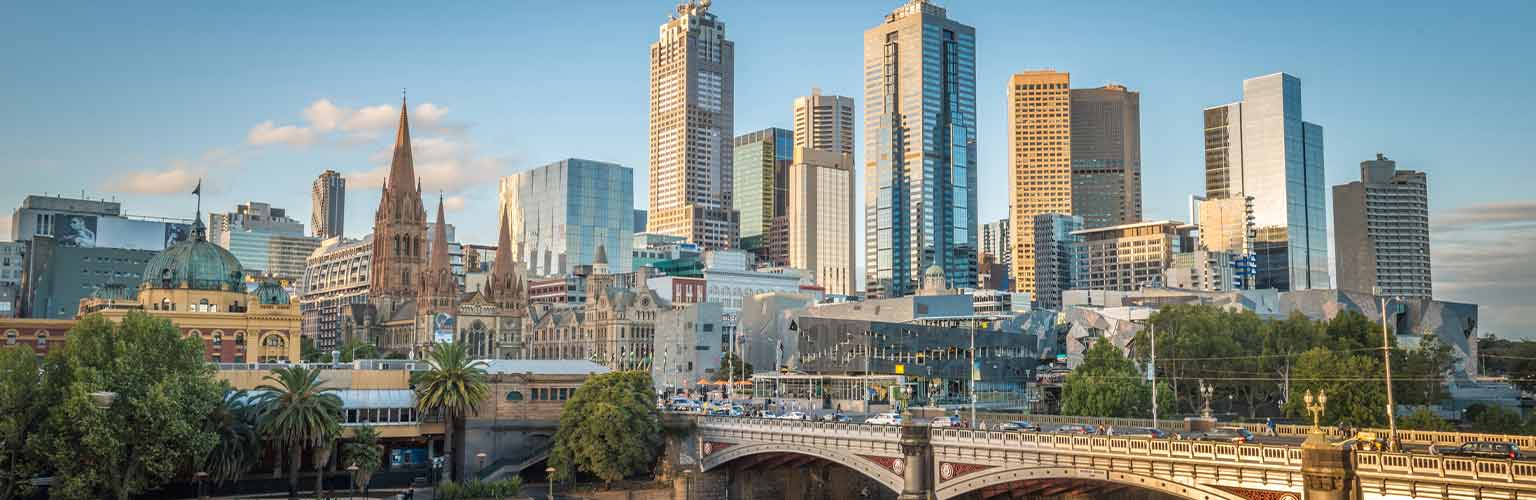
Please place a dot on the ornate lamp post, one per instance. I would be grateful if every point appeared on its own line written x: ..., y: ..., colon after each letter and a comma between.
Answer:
x: 1316, y: 407
x: 1206, y: 391
x: 549, y: 472
x: 352, y: 479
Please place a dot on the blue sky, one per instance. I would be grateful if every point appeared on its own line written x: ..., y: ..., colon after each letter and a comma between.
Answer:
x: 137, y: 100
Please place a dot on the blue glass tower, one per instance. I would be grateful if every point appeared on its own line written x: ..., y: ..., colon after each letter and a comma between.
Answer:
x: 920, y: 143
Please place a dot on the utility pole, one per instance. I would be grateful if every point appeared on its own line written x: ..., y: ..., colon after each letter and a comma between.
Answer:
x: 1386, y: 360
x: 1152, y: 368
x: 975, y: 372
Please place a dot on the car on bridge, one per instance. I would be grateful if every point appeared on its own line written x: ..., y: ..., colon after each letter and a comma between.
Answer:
x: 1137, y: 432
x: 884, y: 419
x: 1226, y: 434
x: 1019, y: 425
x: 1482, y: 449
x: 945, y: 421
x: 794, y: 415
x: 1076, y: 429
x: 834, y: 417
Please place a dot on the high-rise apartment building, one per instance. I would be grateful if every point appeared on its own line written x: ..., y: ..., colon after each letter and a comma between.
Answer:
x: 1059, y: 257
x: 328, y: 203
x: 996, y: 238
x: 821, y: 211
x: 1072, y: 151
x: 336, y: 274
x: 920, y: 143
x: 1261, y: 148
x: 761, y: 177
x: 692, y: 94
x: 1130, y: 256
x: 824, y: 122
x: 559, y: 214
x: 1381, y: 230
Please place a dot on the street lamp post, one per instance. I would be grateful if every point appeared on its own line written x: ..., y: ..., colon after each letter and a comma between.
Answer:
x: 1386, y: 361
x: 202, y: 489
x: 549, y: 473
x: 352, y: 479
x: 975, y: 372
x: 480, y: 457
x: 1206, y: 391
x: 1316, y: 407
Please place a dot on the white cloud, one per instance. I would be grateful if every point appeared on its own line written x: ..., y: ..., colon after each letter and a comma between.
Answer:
x: 5, y: 228
x: 1481, y: 254
x: 348, y: 126
x: 178, y: 178
x: 443, y: 164
x: 267, y: 132
x: 453, y: 203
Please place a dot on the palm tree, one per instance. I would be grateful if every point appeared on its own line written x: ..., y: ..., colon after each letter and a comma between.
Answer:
x: 297, y: 411
x: 365, y: 452
x: 453, y: 384
x: 239, y: 445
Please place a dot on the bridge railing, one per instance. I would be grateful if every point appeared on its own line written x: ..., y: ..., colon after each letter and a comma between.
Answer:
x: 1407, y: 436
x: 1436, y: 466
x: 1124, y: 445
x: 813, y: 427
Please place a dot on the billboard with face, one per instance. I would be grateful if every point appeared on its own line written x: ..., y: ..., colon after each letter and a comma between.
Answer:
x: 136, y: 234
x: 75, y: 230
x: 442, y: 327
x: 175, y: 233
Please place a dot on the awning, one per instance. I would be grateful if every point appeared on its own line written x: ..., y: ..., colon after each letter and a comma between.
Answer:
x: 354, y: 399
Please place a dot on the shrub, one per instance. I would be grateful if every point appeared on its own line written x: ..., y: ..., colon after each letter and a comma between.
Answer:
x: 476, y: 489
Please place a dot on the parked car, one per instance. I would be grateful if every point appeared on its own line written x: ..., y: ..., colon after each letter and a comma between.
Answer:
x: 684, y: 405
x: 945, y: 421
x: 1138, y: 432
x: 795, y: 415
x: 834, y: 417
x: 884, y: 419
x: 1226, y: 434
x: 1482, y: 449
x: 1077, y: 429
x: 1019, y: 425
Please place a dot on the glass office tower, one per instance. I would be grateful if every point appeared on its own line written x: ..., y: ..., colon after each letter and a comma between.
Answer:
x: 920, y: 139
x: 559, y: 213
x: 1261, y: 148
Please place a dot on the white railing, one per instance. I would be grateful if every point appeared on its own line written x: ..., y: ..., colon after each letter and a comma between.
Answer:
x: 1429, y: 468
x: 1257, y: 454
x: 1407, y: 436
x: 810, y: 427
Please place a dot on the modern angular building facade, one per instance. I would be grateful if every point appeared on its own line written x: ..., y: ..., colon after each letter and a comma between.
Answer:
x: 264, y: 238
x: 1059, y: 257
x: 560, y: 213
x: 328, y: 205
x: 1381, y: 231
x: 920, y: 144
x: 692, y: 102
x: 1261, y: 148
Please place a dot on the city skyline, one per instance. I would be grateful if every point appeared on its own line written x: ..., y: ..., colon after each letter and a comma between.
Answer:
x: 468, y: 143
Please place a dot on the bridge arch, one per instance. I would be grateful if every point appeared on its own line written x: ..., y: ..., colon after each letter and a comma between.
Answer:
x: 1025, y: 473
x: 862, y: 465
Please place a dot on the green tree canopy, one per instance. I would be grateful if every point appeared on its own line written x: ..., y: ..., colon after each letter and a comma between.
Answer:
x: 151, y: 431
x: 297, y: 411
x: 239, y: 444
x: 454, y: 384
x: 364, y: 451
x: 1421, y: 419
x: 1356, y: 397
x: 609, y: 428
x: 1107, y: 384
x: 21, y: 416
x: 730, y: 362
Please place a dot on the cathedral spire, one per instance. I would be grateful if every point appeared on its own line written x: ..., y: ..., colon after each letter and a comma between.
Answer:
x: 504, y: 263
x: 439, y: 252
x: 401, y: 168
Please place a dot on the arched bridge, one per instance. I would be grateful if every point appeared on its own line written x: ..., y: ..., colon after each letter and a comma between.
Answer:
x: 919, y: 462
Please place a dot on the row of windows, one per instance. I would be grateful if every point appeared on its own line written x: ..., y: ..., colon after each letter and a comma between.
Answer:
x: 543, y: 394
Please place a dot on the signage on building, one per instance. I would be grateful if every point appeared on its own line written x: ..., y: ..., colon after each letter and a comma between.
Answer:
x: 442, y: 327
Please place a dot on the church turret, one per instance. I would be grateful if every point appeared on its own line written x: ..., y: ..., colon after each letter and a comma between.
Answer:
x: 506, y: 287
x: 399, y: 227
x: 439, y: 290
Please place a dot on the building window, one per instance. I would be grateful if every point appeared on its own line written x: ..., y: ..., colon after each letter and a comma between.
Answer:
x: 514, y: 396
x: 42, y: 339
x: 10, y: 337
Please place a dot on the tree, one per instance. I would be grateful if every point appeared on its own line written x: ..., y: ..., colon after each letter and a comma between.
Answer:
x: 730, y: 362
x: 365, y: 452
x: 609, y: 428
x: 151, y: 430
x: 1424, y: 420
x: 1356, y: 395
x: 21, y: 416
x: 354, y: 349
x: 1107, y: 384
x: 297, y: 411
x: 308, y: 352
x: 453, y: 384
x: 1493, y: 420
x: 238, y: 445
x: 1419, y: 373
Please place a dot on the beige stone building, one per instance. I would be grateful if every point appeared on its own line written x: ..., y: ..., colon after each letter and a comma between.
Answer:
x: 692, y: 94
x: 1130, y: 256
x: 1040, y: 161
x: 821, y: 211
x: 824, y: 122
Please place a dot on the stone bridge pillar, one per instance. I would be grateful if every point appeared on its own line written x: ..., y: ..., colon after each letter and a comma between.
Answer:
x: 917, y: 452
x: 1328, y: 471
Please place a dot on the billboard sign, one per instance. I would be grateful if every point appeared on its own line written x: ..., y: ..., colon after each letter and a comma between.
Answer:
x: 442, y: 327
x: 72, y: 230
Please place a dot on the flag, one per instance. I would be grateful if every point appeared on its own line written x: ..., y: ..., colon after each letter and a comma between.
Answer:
x: 199, y: 189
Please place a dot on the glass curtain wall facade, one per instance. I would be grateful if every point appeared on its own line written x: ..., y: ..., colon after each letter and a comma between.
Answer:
x: 559, y: 213
x: 761, y: 165
x: 920, y: 165
x: 1261, y: 148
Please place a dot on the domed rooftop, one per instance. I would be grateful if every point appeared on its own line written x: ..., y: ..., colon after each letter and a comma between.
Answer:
x: 194, y: 263
x: 933, y: 271
x: 271, y: 293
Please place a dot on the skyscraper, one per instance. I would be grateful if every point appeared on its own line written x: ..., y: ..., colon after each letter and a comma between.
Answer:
x: 328, y: 205
x: 264, y: 239
x: 558, y: 215
x: 692, y: 93
x: 820, y: 220
x: 824, y: 122
x: 996, y: 241
x: 920, y: 143
x: 1073, y: 151
x: 1381, y: 228
x: 1059, y: 257
x: 1260, y: 147
x: 1040, y: 166
x: 761, y: 177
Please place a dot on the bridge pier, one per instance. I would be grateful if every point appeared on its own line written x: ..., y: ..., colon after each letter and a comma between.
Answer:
x: 917, y: 452
x: 1327, y: 470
